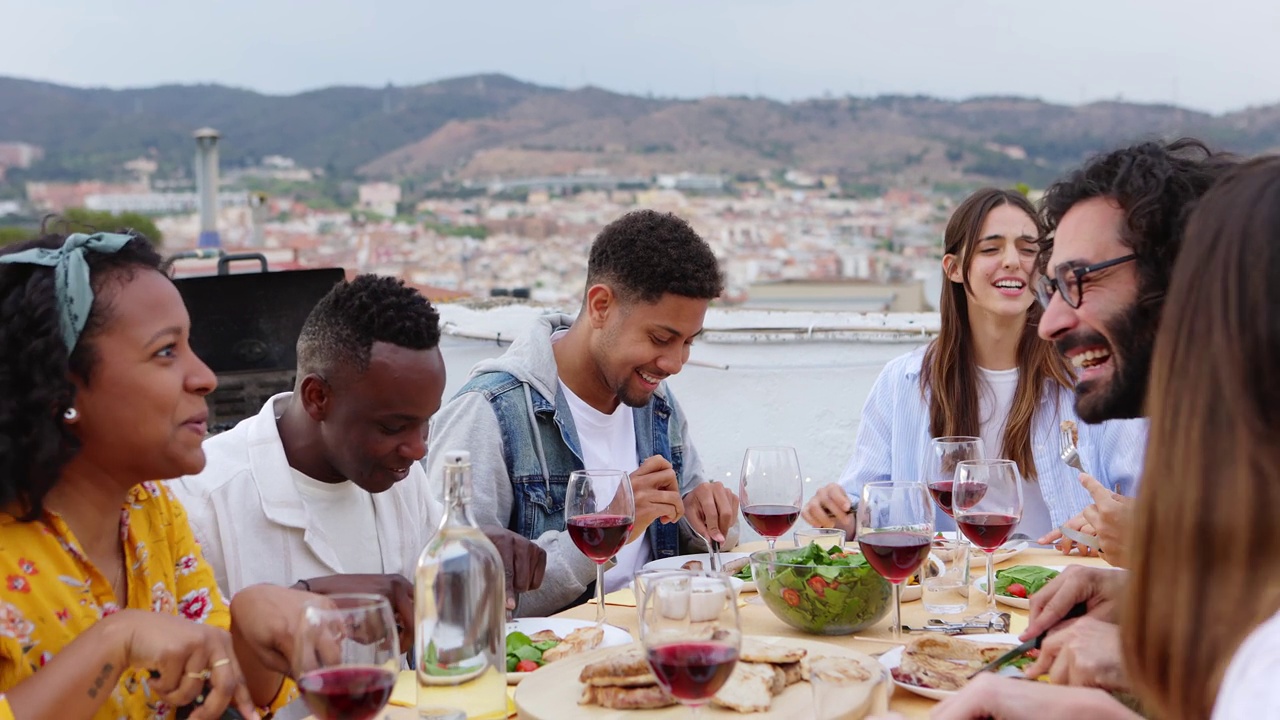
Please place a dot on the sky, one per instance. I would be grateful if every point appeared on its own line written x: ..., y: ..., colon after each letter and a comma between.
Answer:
x: 1212, y: 55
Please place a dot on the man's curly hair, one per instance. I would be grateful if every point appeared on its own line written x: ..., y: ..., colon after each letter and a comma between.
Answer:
x: 644, y: 255
x: 36, y: 373
x: 341, y: 329
x: 1156, y: 185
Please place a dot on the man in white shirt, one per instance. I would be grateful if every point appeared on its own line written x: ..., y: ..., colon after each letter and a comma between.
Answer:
x: 323, y: 489
x: 589, y: 394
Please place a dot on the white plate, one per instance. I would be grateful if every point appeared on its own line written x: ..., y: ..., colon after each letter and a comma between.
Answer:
x: 893, y: 658
x: 1017, y: 602
x: 978, y: 559
x: 613, y: 635
x: 674, y: 563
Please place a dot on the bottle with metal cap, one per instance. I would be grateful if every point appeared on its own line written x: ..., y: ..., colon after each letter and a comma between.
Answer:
x: 460, y: 611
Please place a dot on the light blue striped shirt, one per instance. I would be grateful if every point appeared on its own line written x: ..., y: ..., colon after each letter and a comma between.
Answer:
x: 893, y: 440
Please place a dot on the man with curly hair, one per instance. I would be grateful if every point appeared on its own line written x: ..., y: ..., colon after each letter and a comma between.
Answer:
x: 588, y: 393
x: 323, y: 488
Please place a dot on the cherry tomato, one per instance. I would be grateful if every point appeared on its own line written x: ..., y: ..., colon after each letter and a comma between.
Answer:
x: 1017, y: 590
x: 526, y: 666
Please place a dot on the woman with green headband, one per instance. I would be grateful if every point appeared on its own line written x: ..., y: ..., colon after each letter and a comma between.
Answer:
x: 107, y: 608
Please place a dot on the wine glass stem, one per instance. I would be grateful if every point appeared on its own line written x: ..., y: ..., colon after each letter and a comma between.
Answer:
x: 897, y: 611
x: 600, y: 594
x: 771, y: 541
x: 991, y: 582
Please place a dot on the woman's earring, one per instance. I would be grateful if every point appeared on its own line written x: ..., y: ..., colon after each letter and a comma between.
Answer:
x: 71, y: 415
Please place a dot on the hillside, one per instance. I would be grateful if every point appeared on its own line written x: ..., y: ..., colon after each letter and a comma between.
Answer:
x: 492, y: 125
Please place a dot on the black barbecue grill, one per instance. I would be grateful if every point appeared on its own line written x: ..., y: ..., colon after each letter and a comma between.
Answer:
x: 245, y: 326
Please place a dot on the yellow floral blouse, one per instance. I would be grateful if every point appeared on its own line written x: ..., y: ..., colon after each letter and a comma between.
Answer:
x: 51, y: 593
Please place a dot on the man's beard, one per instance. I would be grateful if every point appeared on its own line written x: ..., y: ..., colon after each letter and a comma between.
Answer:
x: 1124, y: 395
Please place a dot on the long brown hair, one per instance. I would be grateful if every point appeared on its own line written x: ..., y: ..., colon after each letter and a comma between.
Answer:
x: 949, y: 374
x: 1206, y: 536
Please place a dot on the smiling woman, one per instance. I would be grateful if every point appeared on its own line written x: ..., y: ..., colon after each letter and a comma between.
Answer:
x: 986, y: 375
x: 109, y: 609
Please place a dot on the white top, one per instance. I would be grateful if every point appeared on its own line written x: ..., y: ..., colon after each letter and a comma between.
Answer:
x: 254, y: 525
x: 344, y: 514
x: 1249, y: 689
x: 609, y: 443
x: 893, y: 439
x: 995, y: 400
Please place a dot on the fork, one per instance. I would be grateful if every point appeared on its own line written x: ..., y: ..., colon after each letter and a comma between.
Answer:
x: 1071, y: 456
x: 1067, y: 448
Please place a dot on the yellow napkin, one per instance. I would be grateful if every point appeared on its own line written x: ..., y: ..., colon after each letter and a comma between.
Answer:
x: 405, y: 694
x: 623, y: 597
x: 626, y: 597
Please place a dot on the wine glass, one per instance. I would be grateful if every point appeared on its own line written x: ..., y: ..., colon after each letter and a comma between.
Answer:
x: 770, y: 489
x: 895, y: 532
x: 348, y: 654
x: 599, y: 511
x: 939, y: 471
x: 691, y: 636
x: 987, y: 502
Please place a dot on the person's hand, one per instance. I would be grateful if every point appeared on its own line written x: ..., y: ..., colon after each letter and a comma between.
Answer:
x: 1112, y: 514
x: 265, y: 619
x: 395, y: 588
x: 1099, y: 588
x: 1003, y: 698
x: 1084, y: 653
x: 711, y: 510
x: 830, y: 507
x: 657, y: 494
x: 184, y: 656
x: 522, y: 560
x: 1064, y: 544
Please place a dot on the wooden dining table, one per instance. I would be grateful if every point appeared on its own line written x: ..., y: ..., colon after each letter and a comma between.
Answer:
x: 756, y: 619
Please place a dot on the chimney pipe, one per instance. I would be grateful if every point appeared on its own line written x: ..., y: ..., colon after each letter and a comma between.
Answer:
x: 207, y: 185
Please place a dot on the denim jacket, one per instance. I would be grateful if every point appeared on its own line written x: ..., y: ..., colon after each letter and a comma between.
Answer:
x: 513, y: 418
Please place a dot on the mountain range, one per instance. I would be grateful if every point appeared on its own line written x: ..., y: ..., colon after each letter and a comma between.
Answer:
x: 488, y: 126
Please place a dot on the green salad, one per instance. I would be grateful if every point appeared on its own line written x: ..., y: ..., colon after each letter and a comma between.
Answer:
x: 1023, y: 581
x: 520, y: 648
x: 824, y: 590
x: 744, y: 573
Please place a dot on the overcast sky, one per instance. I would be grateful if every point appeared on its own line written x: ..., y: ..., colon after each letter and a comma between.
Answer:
x: 1216, y: 55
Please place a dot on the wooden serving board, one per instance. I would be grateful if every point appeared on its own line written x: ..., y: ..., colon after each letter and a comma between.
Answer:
x: 552, y: 692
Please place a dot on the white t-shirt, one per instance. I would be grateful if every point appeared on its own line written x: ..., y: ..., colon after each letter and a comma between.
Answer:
x: 609, y: 442
x: 995, y: 400
x: 345, y: 514
x: 1249, y: 688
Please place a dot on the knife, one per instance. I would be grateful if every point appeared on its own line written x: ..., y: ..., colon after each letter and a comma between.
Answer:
x: 1077, y: 610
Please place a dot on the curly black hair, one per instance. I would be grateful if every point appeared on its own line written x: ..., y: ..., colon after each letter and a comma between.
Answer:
x: 36, y: 373
x: 1156, y: 185
x: 646, y: 254
x: 344, y: 325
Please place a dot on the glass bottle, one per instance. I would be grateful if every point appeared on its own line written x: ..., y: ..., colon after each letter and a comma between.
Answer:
x: 460, y: 612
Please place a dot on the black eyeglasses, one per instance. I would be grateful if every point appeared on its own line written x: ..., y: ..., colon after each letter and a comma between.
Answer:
x: 1069, y: 281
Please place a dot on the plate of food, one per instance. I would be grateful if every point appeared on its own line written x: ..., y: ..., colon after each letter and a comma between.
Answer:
x: 1015, y: 585
x: 978, y: 558
x: 736, y: 564
x: 769, y: 682
x: 535, y: 642
x: 936, y: 666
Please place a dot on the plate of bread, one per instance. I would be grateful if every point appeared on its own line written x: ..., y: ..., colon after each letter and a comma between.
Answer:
x: 769, y: 682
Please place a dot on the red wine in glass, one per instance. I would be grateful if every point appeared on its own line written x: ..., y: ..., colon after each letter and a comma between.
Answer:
x: 987, y: 530
x: 347, y: 692
x: 895, y: 555
x: 941, y: 492
x: 693, y: 670
x: 600, y: 536
x: 771, y: 521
